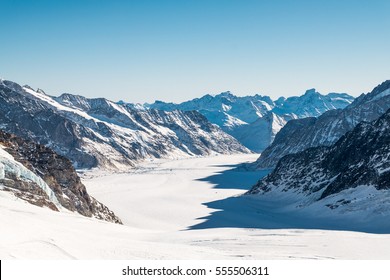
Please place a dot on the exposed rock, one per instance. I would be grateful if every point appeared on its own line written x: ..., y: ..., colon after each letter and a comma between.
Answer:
x: 57, y: 172
x: 358, y: 159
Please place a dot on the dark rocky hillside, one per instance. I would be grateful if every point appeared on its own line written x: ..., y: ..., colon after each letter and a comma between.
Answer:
x: 56, y: 171
x: 361, y: 158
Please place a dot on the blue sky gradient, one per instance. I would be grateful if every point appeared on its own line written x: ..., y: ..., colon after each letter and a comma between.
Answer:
x: 142, y: 50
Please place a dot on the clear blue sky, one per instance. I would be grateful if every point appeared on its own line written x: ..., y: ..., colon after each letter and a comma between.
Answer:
x: 143, y: 50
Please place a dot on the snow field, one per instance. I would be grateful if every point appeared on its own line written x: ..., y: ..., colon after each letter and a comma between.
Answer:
x: 161, y: 204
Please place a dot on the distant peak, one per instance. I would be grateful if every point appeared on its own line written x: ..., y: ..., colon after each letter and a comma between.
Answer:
x: 310, y: 91
x: 281, y: 99
x: 207, y: 95
x: 380, y: 88
x: 67, y: 95
x: 41, y: 91
x: 226, y: 94
x: 28, y: 87
x: 38, y: 90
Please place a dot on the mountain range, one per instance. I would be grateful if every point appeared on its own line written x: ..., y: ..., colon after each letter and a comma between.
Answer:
x: 255, y: 120
x: 300, y: 134
x: 101, y: 133
x: 329, y: 150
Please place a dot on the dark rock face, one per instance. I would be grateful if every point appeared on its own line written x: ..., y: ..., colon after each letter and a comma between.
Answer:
x: 298, y: 135
x: 359, y: 158
x: 57, y: 172
x: 101, y: 133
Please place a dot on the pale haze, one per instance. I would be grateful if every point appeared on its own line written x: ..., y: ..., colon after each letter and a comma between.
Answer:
x: 140, y: 51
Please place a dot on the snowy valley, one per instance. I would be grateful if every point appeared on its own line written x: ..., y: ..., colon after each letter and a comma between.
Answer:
x: 116, y: 180
x: 160, y: 204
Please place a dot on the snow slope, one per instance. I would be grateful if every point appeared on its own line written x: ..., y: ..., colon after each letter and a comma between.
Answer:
x: 154, y: 231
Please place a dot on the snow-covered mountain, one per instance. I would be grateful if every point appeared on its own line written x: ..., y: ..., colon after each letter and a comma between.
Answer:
x: 298, y: 135
x: 38, y: 175
x: 255, y: 120
x: 99, y: 132
x: 311, y: 104
x: 352, y: 175
x: 259, y: 134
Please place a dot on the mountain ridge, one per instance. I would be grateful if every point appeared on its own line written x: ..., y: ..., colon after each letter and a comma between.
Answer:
x: 100, y: 133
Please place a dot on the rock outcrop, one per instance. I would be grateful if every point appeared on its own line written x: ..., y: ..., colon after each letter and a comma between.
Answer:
x: 40, y: 176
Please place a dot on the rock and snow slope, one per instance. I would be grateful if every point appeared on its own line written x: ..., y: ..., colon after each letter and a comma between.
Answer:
x: 98, y: 132
x: 255, y: 120
x: 41, y: 177
x: 351, y: 177
x: 325, y: 130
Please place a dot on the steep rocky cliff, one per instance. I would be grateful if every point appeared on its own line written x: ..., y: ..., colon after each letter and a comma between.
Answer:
x: 38, y: 175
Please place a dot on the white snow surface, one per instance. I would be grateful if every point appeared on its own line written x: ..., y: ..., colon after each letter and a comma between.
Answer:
x: 159, y: 203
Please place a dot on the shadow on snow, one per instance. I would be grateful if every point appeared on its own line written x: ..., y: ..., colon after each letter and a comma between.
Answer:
x: 234, y: 178
x: 252, y: 212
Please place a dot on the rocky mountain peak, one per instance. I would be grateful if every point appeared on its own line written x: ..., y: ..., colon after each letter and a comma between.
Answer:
x: 41, y: 91
x: 311, y: 91
x: 12, y: 86
x: 380, y: 88
x: 226, y: 94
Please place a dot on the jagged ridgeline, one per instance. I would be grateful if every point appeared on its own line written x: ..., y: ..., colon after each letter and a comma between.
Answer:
x: 325, y: 130
x: 40, y: 176
x: 101, y: 133
x: 255, y: 120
